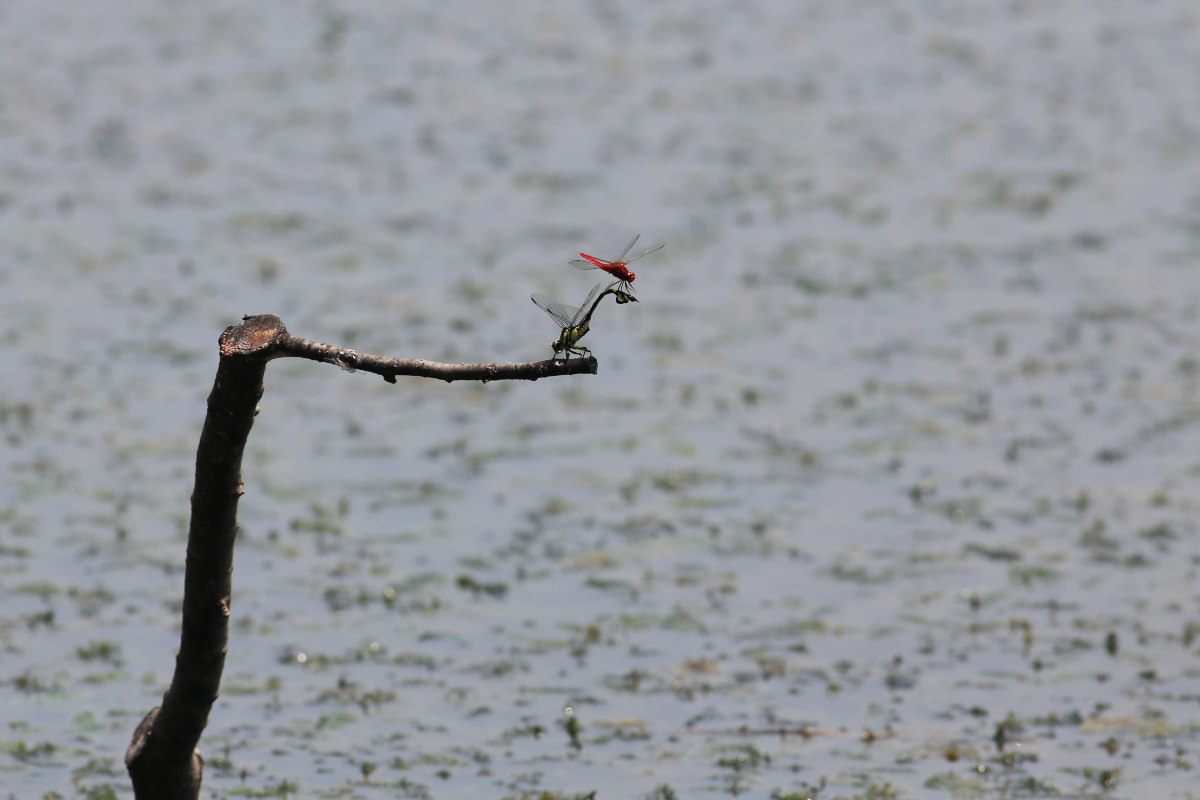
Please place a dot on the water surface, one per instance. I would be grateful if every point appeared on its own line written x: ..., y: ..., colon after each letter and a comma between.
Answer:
x: 886, y: 489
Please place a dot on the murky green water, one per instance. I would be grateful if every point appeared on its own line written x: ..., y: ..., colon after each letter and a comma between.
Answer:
x: 886, y: 489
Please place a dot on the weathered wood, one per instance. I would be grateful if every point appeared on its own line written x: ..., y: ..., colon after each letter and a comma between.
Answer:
x: 163, y: 758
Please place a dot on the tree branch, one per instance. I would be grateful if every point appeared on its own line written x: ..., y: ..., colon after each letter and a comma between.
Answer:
x: 389, y: 368
x: 162, y: 759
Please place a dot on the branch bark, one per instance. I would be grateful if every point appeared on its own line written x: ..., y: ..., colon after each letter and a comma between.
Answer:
x: 389, y: 368
x: 162, y: 759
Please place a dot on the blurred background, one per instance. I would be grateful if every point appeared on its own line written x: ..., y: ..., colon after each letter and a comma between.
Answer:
x: 887, y: 487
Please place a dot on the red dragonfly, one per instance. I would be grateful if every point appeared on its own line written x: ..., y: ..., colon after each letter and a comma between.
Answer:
x: 618, y: 267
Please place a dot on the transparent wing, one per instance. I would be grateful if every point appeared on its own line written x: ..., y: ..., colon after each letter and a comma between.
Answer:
x: 646, y: 252
x: 559, y: 312
x: 621, y: 259
x: 585, y: 310
x: 628, y: 247
x: 566, y: 316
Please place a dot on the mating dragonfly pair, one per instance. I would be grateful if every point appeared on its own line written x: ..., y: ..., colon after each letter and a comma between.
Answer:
x: 575, y: 322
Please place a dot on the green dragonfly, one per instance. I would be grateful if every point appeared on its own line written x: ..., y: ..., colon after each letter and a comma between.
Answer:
x: 576, y: 322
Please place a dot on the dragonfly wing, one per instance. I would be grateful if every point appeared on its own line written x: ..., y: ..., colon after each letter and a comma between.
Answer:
x: 646, y: 252
x: 628, y: 247
x: 585, y: 310
x: 579, y: 263
x: 559, y: 312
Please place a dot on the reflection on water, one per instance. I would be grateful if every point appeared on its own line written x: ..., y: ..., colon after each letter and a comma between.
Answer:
x: 884, y: 488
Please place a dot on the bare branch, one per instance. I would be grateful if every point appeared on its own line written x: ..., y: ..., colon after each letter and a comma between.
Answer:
x: 162, y: 759
x: 389, y: 368
x: 267, y: 337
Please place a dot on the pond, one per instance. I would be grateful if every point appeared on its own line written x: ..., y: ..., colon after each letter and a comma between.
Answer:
x: 886, y: 488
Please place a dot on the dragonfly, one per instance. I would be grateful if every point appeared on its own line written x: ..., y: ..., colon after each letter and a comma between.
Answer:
x: 618, y: 267
x: 576, y: 322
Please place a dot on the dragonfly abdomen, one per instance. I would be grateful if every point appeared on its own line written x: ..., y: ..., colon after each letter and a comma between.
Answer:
x: 569, y: 338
